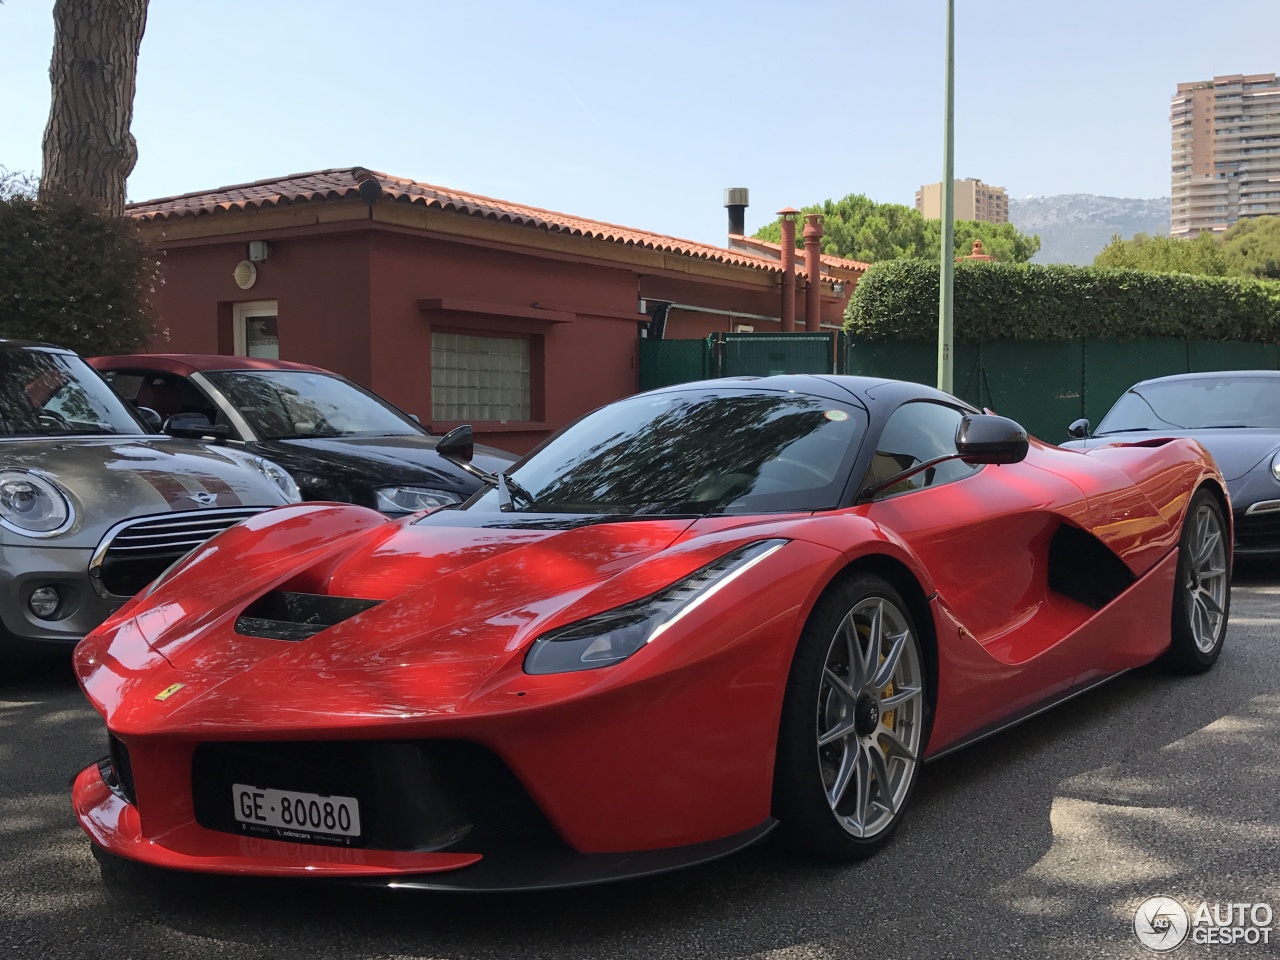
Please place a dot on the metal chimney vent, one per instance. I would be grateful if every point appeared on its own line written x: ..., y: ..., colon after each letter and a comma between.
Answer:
x: 736, y: 200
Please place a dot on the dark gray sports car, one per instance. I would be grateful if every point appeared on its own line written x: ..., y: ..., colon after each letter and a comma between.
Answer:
x: 1236, y: 417
x: 93, y: 506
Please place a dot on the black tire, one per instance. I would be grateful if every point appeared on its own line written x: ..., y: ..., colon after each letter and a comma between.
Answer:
x: 129, y: 882
x: 1201, y: 588
x: 807, y: 774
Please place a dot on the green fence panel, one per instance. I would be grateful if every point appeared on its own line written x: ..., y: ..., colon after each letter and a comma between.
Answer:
x: 1233, y: 355
x: 967, y: 380
x: 664, y: 362
x: 767, y: 355
x: 1036, y: 382
x: 914, y: 360
x: 1112, y: 366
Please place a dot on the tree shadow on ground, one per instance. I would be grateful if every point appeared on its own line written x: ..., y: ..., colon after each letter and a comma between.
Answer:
x: 1038, y: 842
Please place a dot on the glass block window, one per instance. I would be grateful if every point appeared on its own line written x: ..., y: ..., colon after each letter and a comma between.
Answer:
x: 479, y: 378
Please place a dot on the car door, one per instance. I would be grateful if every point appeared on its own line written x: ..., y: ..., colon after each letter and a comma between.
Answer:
x: 982, y: 532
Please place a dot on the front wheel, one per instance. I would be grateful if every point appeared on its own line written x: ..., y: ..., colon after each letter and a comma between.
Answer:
x: 1202, y: 588
x: 854, y: 722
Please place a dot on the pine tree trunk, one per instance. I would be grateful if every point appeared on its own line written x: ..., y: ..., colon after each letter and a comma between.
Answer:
x: 88, y: 149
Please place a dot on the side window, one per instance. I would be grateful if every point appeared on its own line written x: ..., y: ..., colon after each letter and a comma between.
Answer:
x: 168, y: 394
x: 126, y: 384
x: 916, y: 432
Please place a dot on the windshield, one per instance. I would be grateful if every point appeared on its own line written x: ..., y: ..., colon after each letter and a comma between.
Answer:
x: 297, y: 404
x: 692, y: 452
x: 45, y: 394
x: 1197, y: 403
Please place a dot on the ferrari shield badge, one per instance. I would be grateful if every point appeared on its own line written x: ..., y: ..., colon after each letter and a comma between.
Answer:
x: 169, y: 691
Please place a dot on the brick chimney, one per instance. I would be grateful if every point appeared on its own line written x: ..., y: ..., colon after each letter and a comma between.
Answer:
x: 788, y: 215
x: 813, y: 266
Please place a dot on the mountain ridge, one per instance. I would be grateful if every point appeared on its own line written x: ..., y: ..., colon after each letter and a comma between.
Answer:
x: 1074, y: 227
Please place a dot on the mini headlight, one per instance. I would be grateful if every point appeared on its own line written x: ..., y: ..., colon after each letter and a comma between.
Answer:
x: 280, y: 477
x: 614, y: 635
x: 413, y: 499
x: 31, y: 505
x: 1275, y: 465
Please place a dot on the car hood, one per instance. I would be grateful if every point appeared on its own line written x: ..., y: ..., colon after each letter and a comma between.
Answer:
x: 370, y: 462
x: 459, y: 605
x: 1235, y: 450
x: 109, y: 479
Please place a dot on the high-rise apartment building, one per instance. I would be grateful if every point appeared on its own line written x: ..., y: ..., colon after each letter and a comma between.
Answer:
x: 1226, y: 152
x: 974, y: 200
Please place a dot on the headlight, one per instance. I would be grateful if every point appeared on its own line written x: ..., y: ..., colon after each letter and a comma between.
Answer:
x: 614, y: 635
x: 1275, y: 465
x: 280, y: 477
x: 413, y: 499
x: 31, y: 505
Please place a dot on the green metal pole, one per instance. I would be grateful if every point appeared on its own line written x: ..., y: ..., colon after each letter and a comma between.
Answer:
x: 946, y: 276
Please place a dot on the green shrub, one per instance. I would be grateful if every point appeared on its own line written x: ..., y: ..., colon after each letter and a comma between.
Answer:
x: 72, y: 277
x: 898, y: 300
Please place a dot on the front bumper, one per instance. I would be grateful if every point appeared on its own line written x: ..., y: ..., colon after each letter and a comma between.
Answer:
x: 113, y: 824
x: 25, y: 568
x: 1257, y: 531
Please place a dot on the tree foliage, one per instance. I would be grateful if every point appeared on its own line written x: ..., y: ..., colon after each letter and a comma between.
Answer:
x: 1251, y: 248
x: 858, y: 228
x: 71, y: 276
x: 1160, y: 254
x: 899, y: 301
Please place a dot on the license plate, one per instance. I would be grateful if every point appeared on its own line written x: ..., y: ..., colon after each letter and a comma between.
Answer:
x: 296, y: 814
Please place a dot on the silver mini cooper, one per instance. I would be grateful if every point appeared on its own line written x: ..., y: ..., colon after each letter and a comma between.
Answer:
x: 93, y: 504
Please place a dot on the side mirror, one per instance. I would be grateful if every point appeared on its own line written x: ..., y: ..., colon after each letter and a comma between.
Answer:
x: 457, y: 443
x: 984, y: 438
x: 1079, y: 429
x: 195, y: 426
x: 415, y: 418
x: 150, y: 417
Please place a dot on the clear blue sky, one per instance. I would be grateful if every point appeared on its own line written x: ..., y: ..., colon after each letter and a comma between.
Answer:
x: 641, y: 112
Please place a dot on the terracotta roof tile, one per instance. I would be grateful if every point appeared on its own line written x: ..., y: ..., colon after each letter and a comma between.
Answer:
x: 828, y: 260
x: 338, y: 184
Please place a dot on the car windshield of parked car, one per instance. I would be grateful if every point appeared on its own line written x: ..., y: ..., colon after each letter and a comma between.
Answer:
x: 692, y: 452
x: 44, y: 394
x: 1196, y: 403
x: 298, y: 404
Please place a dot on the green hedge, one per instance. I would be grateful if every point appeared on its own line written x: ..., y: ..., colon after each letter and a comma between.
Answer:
x: 72, y: 277
x: 898, y: 300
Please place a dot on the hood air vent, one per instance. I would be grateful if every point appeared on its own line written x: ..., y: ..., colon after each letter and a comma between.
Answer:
x: 281, y: 615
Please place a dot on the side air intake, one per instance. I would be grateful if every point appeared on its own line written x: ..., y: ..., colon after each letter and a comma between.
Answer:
x: 1083, y: 568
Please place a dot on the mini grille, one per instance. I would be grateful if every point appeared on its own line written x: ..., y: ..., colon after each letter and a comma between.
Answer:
x: 140, y: 551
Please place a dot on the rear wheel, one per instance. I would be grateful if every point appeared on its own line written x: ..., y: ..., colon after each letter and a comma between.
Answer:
x: 1202, y: 590
x: 853, y: 724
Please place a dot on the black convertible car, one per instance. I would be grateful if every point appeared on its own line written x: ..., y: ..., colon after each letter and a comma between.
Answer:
x: 339, y: 441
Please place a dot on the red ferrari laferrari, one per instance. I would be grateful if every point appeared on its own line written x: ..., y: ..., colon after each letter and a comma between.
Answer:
x: 692, y: 617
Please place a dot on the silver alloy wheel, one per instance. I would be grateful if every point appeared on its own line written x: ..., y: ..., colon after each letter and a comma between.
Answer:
x: 870, y: 717
x: 1206, y: 578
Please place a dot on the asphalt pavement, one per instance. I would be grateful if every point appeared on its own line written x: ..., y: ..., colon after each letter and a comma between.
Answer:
x: 1040, y: 842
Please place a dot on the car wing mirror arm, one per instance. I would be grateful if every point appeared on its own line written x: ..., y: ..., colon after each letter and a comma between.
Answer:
x: 870, y: 493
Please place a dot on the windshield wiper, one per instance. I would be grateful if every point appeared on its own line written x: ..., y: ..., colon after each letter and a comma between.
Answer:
x: 509, y: 490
